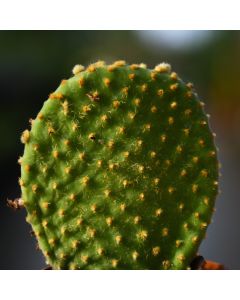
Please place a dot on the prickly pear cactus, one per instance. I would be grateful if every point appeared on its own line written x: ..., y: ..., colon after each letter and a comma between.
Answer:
x: 120, y: 170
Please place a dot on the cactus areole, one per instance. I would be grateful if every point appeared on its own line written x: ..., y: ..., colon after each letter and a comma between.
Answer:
x: 120, y: 170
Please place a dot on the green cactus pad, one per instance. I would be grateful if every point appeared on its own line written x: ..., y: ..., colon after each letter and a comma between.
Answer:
x: 120, y: 170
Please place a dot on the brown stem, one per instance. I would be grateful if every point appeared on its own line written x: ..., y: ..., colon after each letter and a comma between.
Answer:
x: 48, y: 268
x: 199, y: 263
x: 211, y: 265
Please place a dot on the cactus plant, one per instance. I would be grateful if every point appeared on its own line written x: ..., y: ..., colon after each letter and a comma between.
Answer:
x: 120, y: 170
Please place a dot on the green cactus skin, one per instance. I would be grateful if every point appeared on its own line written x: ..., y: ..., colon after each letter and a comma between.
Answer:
x: 120, y: 170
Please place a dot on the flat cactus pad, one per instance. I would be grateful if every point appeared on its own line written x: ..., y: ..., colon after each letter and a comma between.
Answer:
x: 120, y: 170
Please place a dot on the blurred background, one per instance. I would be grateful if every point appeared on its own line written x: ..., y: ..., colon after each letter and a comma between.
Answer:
x: 32, y: 64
